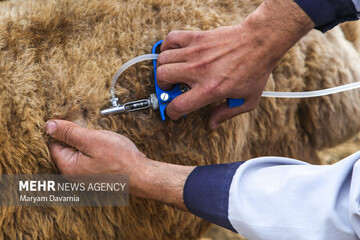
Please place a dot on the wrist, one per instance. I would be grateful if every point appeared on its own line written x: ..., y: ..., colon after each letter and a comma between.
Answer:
x: 287, y: 17
x: 139, y: 176
x: 277, y: 25
x: 159, y: 181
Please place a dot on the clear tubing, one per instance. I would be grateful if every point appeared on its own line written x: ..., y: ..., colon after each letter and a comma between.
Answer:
x: 127, y: 65
x: 310, y: 94
x: 307, y: 94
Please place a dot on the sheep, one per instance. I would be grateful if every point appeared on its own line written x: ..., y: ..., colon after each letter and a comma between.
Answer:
x: 57, y: 59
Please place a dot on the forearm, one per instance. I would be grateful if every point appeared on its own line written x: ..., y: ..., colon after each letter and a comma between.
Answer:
x: 159, y: 181
x: 277, y: 25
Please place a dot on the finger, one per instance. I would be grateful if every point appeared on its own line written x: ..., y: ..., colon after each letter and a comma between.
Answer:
x: 189, y: 101
x: 170, y: 74
x: 69, y: 133
x: 64, y: 157
x: 223, y: 113
x: 176, y: 39
x: 172, y: 56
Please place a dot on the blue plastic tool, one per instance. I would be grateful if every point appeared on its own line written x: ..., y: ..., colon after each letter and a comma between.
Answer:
x: 235, y: 102
x: 165, y: 97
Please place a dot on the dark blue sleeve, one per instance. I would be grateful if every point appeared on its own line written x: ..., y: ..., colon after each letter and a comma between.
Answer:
x: 326, y: 14
x: 206, y: 192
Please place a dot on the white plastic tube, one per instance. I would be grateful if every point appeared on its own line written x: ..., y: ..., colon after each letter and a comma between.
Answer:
x: 308, y: 94
x: 127, y: 65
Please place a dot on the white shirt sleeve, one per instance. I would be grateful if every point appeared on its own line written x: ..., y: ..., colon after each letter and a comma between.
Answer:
x: 279, y: 198
x: 357, y: 5
x: 282, y: 198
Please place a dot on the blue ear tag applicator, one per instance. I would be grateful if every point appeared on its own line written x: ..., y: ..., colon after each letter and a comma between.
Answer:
x: 157, y: 101
x: 162, y: 98
x: 165, y: 97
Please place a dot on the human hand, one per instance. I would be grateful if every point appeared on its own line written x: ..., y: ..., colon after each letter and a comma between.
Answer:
x: 229, y: 62
x: 103, y: 152
x: 91, y: 151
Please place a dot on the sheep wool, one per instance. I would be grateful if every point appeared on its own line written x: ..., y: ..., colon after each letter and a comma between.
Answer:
x: 57, y: 59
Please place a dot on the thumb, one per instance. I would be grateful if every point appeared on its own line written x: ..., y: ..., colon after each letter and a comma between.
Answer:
x: 223, y: 113
x: 69, y: 133
x: 64, y: 157
x: 188, y: 102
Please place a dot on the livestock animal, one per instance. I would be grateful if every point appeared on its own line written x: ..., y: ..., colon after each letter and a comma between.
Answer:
x: 57, y: 59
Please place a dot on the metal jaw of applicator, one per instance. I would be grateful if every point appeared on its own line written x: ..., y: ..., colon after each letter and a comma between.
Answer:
x: 150, y: 102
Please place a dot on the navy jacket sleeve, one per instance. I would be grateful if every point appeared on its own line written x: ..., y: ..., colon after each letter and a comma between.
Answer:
x: 326, y: 14
x: 206, y: 192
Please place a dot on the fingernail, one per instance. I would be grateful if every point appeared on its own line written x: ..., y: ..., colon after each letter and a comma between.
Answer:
x: 50, y: 127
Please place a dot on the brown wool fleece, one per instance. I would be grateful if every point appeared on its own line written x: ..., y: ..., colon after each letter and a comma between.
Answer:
x: 57, y: 59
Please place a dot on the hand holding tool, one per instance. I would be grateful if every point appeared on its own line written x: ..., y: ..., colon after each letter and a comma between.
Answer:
x: 157, y: 101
